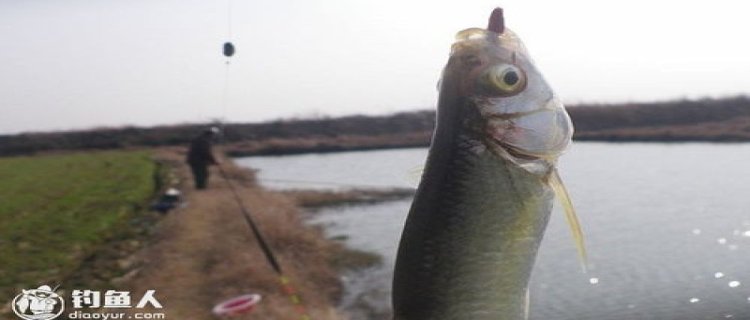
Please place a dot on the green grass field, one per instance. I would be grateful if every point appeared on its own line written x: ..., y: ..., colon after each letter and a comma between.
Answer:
x: 55, y: 209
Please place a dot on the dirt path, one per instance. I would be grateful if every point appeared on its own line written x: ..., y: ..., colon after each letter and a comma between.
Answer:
x: 204, y: 253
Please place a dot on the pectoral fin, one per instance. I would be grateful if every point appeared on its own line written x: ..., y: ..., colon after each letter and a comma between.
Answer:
x: 414, y: 175
x: 570, y: 215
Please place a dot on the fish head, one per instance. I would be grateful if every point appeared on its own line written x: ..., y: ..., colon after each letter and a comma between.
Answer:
x: 515, y: 112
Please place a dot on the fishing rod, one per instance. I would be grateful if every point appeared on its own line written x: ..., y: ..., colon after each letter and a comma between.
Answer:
x: 267, y: 251
x: 253, y: 226
x: 228, y: 50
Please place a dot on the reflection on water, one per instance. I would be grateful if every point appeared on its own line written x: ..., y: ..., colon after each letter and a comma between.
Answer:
x: 667, y: 228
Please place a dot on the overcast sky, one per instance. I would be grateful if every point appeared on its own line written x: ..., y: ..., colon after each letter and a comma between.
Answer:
x: 81, y: 64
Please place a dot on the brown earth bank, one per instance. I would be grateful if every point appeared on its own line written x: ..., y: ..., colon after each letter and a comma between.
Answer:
x: 716, y: 120
x: 205, y: 253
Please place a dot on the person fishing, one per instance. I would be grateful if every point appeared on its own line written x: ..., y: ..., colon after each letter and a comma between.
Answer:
x: 200, y: 156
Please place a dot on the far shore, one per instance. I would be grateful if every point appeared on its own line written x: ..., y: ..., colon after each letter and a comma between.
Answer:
x: 702, y: 120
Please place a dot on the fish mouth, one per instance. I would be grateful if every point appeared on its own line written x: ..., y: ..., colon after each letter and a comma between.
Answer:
x: 498, y: 131
x: 531, y: 139
x: 501, y: 130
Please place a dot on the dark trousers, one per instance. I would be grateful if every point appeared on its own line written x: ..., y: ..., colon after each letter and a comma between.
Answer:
x: 200, y: 175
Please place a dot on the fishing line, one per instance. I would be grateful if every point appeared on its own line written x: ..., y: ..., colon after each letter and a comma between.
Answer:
x: 229, y: 19
x: 289, y: 290
x: 225, y: 94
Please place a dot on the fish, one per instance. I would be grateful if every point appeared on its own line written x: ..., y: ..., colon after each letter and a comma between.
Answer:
x: 488, y: 185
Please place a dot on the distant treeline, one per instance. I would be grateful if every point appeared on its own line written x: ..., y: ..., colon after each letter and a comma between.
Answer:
x: 726, y: 119
x: 114, y: 138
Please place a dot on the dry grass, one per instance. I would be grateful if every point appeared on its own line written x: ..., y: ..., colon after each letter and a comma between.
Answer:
x: 205, y: 253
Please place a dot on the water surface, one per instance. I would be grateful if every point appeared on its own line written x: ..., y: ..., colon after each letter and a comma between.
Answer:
x: 667, y: 228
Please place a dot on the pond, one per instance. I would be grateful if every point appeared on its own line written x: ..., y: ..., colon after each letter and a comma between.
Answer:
x: 667, y: 228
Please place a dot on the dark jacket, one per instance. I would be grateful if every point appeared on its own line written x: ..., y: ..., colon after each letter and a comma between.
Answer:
x: 200, y: 151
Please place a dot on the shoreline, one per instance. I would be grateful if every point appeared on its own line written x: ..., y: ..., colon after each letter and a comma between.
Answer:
x: 215, y: 257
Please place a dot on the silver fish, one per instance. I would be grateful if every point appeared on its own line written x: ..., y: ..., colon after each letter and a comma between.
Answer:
x: 485, y: 196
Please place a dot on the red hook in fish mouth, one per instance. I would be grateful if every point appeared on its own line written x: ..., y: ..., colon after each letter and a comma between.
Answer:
x: 497, y: 21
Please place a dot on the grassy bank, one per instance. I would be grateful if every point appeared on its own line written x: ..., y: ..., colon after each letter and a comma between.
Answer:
x: 56, y: 209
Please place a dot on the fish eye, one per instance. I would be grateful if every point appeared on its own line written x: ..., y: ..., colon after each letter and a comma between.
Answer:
x: 505, y: 79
